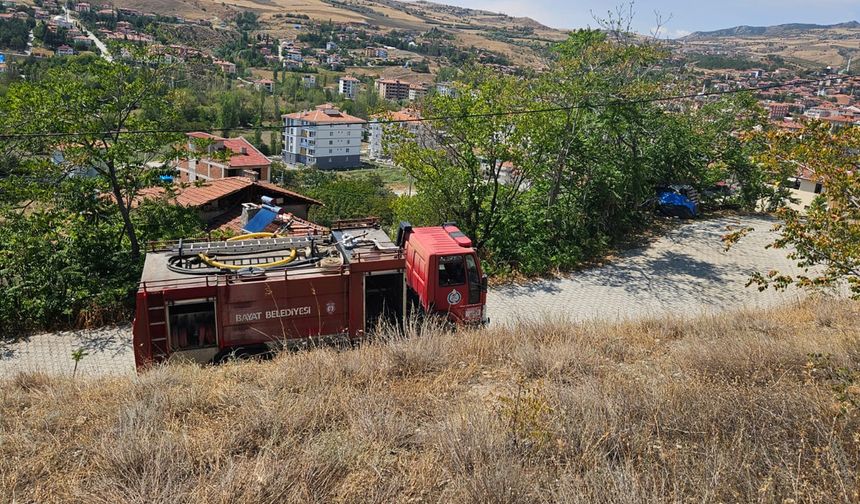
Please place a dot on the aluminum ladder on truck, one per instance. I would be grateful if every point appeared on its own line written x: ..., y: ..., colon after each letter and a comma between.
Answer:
x: 241, y: 247
x: 156, y: 321
x: 244, y: 253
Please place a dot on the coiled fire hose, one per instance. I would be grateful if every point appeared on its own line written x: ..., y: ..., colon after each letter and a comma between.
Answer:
x: 274, y: 264
x: 250, y: 236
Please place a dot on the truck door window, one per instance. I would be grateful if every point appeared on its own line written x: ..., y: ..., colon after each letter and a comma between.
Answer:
x: 451, y: 271
x: 474, y: 280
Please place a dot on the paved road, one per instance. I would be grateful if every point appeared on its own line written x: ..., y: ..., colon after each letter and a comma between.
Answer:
x: 105, y: 53
x: 108, y: 353
x: 685, y: 272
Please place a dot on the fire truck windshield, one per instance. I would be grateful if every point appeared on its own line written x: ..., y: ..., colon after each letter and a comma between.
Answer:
x: 451, y: 271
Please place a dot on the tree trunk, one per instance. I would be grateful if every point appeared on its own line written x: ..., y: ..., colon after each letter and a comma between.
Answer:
x: 128, y: 226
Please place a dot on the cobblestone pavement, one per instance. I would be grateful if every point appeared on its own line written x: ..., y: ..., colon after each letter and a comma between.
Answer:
x: 686, y: 272
x: 108, y: 352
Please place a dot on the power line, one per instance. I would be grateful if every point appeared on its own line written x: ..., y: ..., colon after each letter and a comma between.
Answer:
x: 547, y: 110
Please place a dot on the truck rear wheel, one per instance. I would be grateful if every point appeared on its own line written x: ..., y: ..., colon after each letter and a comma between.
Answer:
x: 242, y: 353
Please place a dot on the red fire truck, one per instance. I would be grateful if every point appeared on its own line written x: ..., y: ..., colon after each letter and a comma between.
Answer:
x: 206, y: 301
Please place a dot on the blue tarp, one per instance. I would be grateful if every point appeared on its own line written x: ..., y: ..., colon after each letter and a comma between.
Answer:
x: 671, y: 199
x: 259, y: 222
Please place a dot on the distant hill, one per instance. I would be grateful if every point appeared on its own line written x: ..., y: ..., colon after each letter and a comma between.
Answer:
x: 801, y: 45
x: 771, y: 31
x: 514, y: 37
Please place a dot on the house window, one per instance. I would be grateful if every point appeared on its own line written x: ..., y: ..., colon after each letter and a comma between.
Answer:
x: 818, y: 188
x: 330, y: 142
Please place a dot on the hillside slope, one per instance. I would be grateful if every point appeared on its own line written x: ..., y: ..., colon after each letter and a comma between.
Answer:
x: 773, y: 31
x: 511, y: 36
x: 805, y: 45
x: 753, y: 407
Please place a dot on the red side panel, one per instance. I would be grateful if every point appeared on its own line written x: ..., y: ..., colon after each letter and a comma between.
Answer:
x: 149, y: 331
x: 261, y: 312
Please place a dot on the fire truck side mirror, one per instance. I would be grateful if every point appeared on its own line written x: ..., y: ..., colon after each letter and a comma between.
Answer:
x: 403, y: 233
x: 484, y: 283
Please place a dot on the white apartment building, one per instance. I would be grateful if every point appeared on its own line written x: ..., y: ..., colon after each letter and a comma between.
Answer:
x: 417, y: 91
x: 348, y: 86
x: 405, y: 118
x: 324, y: 137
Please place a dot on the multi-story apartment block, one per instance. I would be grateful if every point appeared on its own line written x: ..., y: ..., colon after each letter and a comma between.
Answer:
x: 417, y: 91
x: 348, y: 86
x: 222, y: 158
x: 391, y: 89
x: 376, y: 52
x: 324, y: 137
x: 406, y: 118
x: 226, y: 66
x: 778, y: 111
x: 446, y: 89
x: 265, y: 84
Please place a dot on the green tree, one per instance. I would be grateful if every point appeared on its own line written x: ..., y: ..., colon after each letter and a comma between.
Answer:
x: 460, y: 164
x: 84, y: 109
x: 345, y: 196
x: 570, y: 176
x: 824, y: 238
x: 229, y: 111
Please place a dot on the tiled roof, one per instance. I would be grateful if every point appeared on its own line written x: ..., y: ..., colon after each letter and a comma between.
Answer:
x: 286, y: 192
x: 400, y: 115
x: 251, y: 157
x: 841, y: 119
x: 790, y: 125
x: 806, y: 173
x: 286, y: 223
x: 327, y: 116
x: 213, y: 190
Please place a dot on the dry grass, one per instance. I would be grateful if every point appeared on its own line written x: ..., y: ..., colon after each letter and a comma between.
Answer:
x: 722, y: 409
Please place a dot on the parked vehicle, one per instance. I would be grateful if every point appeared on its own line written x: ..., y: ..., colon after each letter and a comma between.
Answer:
x: 680, y: 201
x: 207, y: 301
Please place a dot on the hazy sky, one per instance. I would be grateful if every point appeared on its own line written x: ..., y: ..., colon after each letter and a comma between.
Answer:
x: 687, y: 15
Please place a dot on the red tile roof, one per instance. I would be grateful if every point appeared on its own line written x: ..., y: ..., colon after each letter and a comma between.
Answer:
x: 406, y: 114
x: 212, y: 190
x: 286, y: 224
x: 251, y: 156
x: 325, y: 116
x: 791, y: 125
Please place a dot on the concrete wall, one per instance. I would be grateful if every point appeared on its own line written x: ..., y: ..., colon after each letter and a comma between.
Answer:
x: 338, y: 162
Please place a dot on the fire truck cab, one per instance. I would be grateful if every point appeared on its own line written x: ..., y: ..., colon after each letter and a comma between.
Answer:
x: 443, y: 272
x: 205, y: 301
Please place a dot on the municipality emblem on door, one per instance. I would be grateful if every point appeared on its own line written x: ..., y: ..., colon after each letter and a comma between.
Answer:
x: 329, y: 308
x: 454, y: 297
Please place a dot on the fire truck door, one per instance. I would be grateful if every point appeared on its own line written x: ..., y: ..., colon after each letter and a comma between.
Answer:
x: 384, y: 300
x: 453, y: 289
x: 192, y: 326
